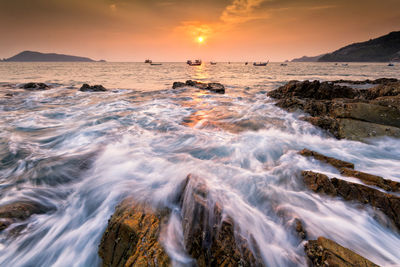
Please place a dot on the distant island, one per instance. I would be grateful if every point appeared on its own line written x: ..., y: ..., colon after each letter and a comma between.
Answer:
x: 31, y: 56
x: 383, y: 49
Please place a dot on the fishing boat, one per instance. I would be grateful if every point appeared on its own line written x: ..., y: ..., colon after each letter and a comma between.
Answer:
x: 197, y: 62
x: 148, y: 61
x: 283, y: 64
x: 391, y: 65
x: 246, y: 63
x: 155, y: 64
x: 261, y: 64
x: 213, y: 63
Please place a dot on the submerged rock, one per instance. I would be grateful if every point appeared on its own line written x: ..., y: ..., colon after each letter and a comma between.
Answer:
x: 346, y: 112
x: 33, y: 86
x: 19, y: 211
x: 92, y: 88
x: 133, y: 233
x: 387, y: 203
x: 213, y: 87
x: 325, y: 252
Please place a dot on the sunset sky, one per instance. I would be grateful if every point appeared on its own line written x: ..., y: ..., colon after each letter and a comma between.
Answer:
x: 232, y: 30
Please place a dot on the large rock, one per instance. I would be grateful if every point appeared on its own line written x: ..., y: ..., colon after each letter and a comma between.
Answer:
x: 132, y: 237
x: 337, y: 163
x: 346, y: 112
x: 32, y: 86
x: 211, y: 239
x: 213, y: 87
x: 92, y: 88
x: 387, y: 203
x: 325, y: 252
x: 20, y: 211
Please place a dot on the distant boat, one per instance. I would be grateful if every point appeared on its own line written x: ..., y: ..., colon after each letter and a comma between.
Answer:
x: 213, y: 63
x: 283, y: 64
x: 155, y: 64
x: 261, y: 64
x: 246, y: 63
x: 197, y: 62
x: 148, y: 61
x: 391, y: 65
x: 345, y: 65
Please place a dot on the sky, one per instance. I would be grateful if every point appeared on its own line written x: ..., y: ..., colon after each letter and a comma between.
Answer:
x: 169, y: 30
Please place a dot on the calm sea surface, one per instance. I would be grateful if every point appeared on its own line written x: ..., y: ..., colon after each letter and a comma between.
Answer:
x: 79, y: 154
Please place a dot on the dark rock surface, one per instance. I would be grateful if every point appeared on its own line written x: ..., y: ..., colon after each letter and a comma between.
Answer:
x: 19, y: 211
x: 213, y: 87
x: 325, y: 252
x: 133, y: 232
x: 344, y: 111
x: 92, y: 88
x: 332, y: 161
x: 32, y: 86
x: 132, y: 237
x: 387, y: 203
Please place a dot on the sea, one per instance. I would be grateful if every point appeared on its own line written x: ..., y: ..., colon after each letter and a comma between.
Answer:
x: 80, y: 153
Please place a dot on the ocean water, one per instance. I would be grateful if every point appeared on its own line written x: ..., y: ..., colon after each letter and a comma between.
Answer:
x: 80, y: 154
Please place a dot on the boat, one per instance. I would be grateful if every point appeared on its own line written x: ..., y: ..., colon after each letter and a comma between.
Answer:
x: 197, y: 62
x: 155, y: 64
x: 345, y: 65
x: 246, y: 63
x: 213, y: 63
x: 148, y: 61
x: 283, y: 64
x: 391, y: 65
x: 261, y: 64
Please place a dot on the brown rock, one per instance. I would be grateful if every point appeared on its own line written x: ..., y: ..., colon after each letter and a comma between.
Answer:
x: 370, y: 179
x: 209, y: 238
x: 387, y: 203
x: 212, y: 87
x: 332, y: 161
x: 301, y: 232
x: 32, y: 86
x: 325, y: 252
x: 131, y: 237
x: 19, y: 211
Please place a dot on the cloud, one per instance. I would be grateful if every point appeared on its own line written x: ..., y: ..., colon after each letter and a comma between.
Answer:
x: 241, y: 11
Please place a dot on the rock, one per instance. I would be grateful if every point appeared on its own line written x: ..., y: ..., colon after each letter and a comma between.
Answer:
x: 213, y: 87
x: 132, y: 237
x: 32, y: 86
x: 370, y: 179
x: 387, y: 203
x: 19, y: 211
x: 301, y: 232
x: 9, y: 95
x: 332, y: 161
x: 132, y: 234
x: 346, y: 112
x: 92, y: 88
x: 208, y: 236
x: 325, y: 252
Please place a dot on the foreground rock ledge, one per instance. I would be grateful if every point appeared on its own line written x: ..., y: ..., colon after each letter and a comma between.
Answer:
x: 346, y: 109
x: 132, y: 237
x: 325, y: 252
x: 213, y: 87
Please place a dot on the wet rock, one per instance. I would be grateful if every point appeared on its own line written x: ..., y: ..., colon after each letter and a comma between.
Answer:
x: 332, y: 161
x: 132, y: 237
x: 301, y: 232
x: 346, y: 112
x: 325, y: 252
x: 33, y: 86
x: 19, y: 211
x: 92, y: 88
x: 370, y: 179
x: 213, y: 87
x: 209, y: 237
x: 387, y: 203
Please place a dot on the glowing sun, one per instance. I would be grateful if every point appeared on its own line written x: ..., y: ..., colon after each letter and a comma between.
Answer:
x: 200, y: 39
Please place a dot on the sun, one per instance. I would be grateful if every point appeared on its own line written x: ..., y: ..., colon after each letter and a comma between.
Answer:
x: 200, y: 39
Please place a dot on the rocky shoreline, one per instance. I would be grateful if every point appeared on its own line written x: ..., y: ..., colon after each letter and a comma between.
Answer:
x: 352, y: 110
